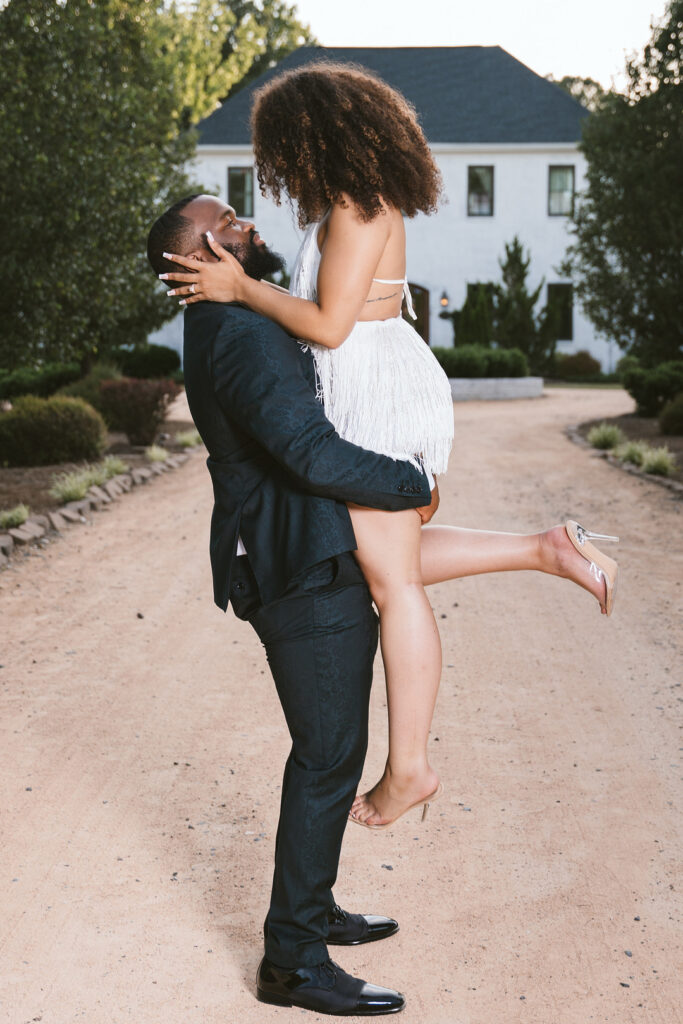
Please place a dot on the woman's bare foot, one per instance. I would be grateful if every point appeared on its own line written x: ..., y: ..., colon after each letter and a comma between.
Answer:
x: 560, y: 557
x: 393, y: 796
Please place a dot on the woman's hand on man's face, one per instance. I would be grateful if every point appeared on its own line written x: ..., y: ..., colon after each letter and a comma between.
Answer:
x: 205, y: 282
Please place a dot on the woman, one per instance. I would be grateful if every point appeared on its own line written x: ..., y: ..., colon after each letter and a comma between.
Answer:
x: 347, y: 149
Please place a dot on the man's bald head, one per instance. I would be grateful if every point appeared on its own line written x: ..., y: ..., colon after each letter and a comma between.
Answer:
x: 182, y: 231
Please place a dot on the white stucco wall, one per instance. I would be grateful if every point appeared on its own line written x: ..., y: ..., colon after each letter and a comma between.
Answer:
x: 450, y: 249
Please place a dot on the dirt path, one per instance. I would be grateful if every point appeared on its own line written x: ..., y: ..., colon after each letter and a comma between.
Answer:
x: 141, y: 766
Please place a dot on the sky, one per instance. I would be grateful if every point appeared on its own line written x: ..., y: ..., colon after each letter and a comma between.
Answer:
x: 589, y: 38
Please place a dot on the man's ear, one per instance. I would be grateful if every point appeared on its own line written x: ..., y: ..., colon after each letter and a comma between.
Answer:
x: 200, y: 254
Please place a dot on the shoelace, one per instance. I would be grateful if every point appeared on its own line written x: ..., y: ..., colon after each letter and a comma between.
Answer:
x: 331, y: 968
x: 338, y: 915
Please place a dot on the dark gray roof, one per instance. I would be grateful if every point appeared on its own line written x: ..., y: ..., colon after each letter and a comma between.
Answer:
x: 463, y: 94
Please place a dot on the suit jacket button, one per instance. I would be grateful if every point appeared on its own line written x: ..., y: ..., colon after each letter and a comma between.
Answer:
x: 239, y: 586
x: 401, y: 488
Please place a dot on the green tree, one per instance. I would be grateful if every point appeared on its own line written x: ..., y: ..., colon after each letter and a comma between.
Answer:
x: 587, y: 91
x: 515, y: 322
x: 90, y: 153
x: 218, y: 46
x: 472, y: 323
x: 626, y: 258
x: 273, y: 26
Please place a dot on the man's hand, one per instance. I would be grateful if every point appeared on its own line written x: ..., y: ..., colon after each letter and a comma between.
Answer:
x: 427, y: 511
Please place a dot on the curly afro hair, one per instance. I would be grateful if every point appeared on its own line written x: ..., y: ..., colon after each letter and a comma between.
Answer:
x: 326, y: 129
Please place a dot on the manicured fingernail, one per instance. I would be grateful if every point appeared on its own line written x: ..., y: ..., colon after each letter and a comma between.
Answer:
x: 162, y: 277
x: 171, y: 291
x: 167, y: 256
x: 183, y: 302
x: 209, y: 236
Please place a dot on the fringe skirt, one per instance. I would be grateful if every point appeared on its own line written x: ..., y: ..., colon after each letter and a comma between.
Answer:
x: 384, y: 390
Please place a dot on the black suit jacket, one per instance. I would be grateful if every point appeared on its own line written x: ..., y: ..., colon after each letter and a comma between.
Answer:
x: 280, y: 472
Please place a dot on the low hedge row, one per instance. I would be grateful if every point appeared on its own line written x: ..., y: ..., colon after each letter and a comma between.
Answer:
x: 152, y: 361
x: 478, y: 361
x: 42, y: 382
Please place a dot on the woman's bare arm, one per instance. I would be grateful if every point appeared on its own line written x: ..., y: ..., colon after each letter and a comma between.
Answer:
x: 351, y: 252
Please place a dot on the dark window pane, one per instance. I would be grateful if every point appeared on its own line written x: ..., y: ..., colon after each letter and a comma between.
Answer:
x: 561, y: 299
x: 241, y: 190
x: 480, y: 191
x: 560, y: 191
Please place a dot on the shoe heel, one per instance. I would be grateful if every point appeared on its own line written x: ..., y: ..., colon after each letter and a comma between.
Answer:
x: 425, y: 808
x: 269, y: 997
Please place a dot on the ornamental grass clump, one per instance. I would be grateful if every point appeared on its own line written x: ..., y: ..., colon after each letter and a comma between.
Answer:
x: 633, y: 452
x: 188, y: 438
x: 13, y: 517
x: 659, y: 462
x: 75, y: 485
x: 155, y: 453
x: 70, y: 486
x: 605, y: 436
x: 114, y: 466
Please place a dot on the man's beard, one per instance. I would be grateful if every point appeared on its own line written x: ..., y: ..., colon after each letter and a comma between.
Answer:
x: 257, y: 260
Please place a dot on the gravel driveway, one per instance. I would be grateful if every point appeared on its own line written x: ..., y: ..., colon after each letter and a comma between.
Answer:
x: 142, y: 748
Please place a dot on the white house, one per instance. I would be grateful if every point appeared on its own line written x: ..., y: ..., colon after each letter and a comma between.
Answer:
x: 506, y: 142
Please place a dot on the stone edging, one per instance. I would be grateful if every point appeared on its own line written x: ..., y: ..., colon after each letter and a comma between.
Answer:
x: 36, y: 528
x: 471, y: 389
x: 573, y: 434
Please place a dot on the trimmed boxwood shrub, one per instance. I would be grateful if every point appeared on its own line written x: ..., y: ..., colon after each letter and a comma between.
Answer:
x: 150, y: 362
x: 45, y: 431
x: 138, y: 407
x: 506, y: 362
x: 43, y: 381
x: 577, y: 366
x: 478, y: 361
x: 671, y: 417
x: 652, y: 389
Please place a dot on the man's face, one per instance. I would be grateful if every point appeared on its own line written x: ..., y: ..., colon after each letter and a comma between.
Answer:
x: 237, y: 235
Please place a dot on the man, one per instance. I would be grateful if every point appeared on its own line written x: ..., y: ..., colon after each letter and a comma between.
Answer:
x: 281, y: 552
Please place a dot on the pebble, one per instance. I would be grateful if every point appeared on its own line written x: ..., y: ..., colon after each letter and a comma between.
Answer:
x: 628, y: 952
x: 140, y: 615
x: 388, y: 867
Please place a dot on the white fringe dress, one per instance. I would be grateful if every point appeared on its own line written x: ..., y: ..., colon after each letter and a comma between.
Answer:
x: 382, y: 388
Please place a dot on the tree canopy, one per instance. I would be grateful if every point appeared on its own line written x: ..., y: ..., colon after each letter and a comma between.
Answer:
x: 505, y: 313
x: 626, y: 258
x: 90, y: 153
x: 586, y: 90
x: 95, y: 113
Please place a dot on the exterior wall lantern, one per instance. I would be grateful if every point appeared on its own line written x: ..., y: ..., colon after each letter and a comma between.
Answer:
x: 444, y: 300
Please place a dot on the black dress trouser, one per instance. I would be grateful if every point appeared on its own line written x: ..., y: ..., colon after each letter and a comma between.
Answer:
x: 320, y: 639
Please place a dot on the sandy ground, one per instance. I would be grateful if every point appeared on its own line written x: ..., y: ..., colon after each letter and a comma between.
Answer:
x: 141, y: 761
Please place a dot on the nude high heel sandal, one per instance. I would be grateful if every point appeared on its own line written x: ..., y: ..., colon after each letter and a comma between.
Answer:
x: 602, y: 567
x: 425, y: 801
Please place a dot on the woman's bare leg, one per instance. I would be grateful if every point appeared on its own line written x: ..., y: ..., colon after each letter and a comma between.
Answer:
x: 411, y: 649
x: 451, y: 552
x: 389, y: 555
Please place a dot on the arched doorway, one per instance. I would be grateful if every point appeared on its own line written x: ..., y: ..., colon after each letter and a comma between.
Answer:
x: 421, y: 303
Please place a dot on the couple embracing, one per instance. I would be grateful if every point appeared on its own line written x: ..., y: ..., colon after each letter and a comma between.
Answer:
x: 327, y: 421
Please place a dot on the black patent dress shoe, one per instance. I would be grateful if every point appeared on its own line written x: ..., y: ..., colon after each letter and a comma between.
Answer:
x: 355, y: 929
x: 324, y: 989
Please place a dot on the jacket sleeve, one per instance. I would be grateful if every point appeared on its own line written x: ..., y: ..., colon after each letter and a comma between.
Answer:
x: 259, y: 381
